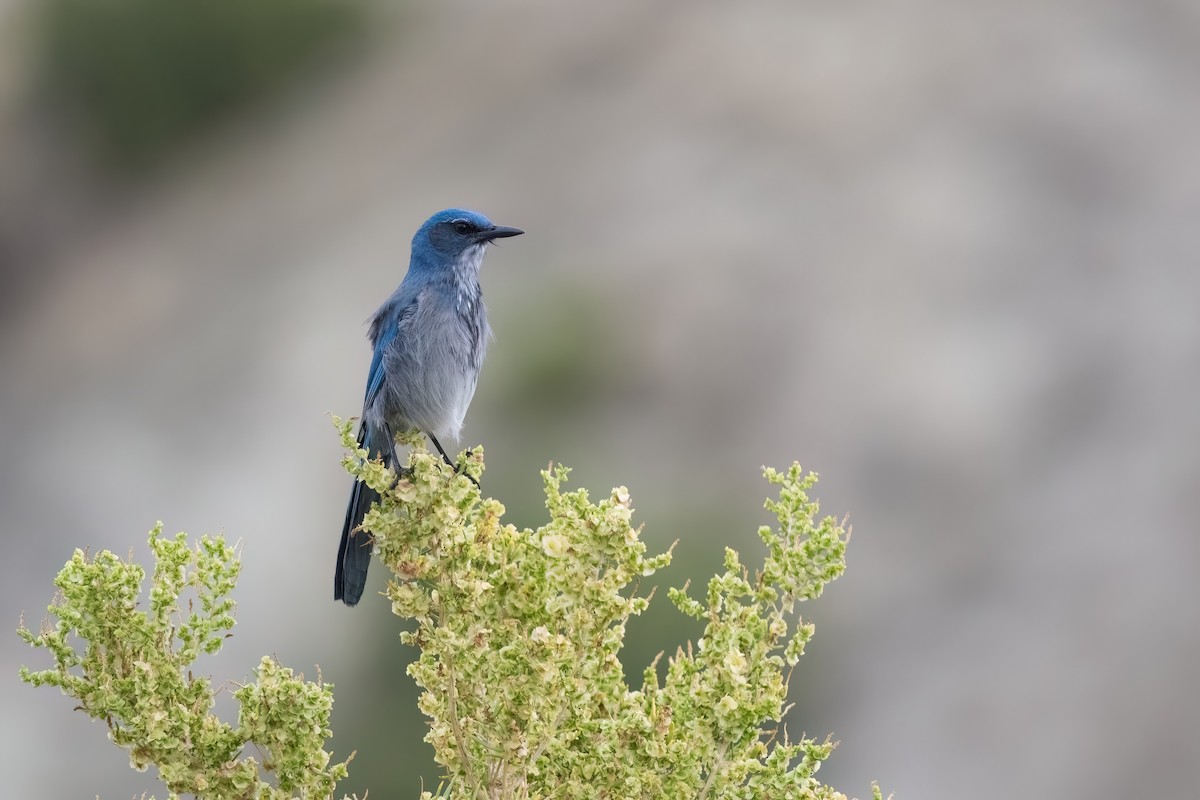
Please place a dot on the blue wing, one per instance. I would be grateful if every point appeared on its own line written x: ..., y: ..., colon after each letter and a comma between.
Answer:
x: 375, y: 376
x: 354, y: 551
x: 385, y: 329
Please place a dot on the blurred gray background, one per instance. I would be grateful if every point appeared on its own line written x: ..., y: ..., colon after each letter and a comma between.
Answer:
x: 944, y: 253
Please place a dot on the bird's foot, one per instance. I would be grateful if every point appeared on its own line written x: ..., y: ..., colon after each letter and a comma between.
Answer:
x: 462, y: 471
x: 446, y: 458
x: 401, y: 474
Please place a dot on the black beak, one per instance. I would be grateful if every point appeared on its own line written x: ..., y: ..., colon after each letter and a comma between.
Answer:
x: 499, y: 232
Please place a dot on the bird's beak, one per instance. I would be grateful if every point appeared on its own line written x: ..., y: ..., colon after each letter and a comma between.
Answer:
x: 499, y: 232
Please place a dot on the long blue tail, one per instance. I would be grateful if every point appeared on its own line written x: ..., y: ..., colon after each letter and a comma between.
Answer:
x: 354, y: 552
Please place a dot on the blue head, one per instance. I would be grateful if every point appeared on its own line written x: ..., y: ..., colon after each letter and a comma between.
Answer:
x: 455, y: 239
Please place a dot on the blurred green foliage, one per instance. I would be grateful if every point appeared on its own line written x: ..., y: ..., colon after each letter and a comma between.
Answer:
x: 138, y: 76
x: 580, y: 351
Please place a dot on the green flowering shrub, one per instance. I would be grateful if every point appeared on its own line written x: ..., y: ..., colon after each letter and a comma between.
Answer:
x: 519, y: 633
x: 133, y: 672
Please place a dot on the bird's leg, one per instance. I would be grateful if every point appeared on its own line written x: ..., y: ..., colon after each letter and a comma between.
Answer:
x: 391, y: 439
x: 401, y: 472
x: 438, y: 445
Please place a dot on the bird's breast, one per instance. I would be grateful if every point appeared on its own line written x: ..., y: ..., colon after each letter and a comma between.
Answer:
x: 433, y: 364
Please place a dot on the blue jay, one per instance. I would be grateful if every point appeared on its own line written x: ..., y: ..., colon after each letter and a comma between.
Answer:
x: 429, y: 340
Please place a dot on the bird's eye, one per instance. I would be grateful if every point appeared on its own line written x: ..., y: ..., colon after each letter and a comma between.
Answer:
x: 462, y: 227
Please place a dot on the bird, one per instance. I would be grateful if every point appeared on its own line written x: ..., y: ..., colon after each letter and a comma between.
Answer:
x: 428, y: 342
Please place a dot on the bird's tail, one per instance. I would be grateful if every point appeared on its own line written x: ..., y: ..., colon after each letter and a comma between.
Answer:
x: 354, y: 552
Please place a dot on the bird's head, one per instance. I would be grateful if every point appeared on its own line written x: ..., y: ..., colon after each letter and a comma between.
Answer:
x: 449, y: 235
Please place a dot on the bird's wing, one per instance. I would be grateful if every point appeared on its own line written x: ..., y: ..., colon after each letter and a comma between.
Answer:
x: 385, y: 328
x: 375, y: 376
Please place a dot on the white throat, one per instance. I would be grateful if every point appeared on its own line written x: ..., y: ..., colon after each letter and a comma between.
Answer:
x: 466, y: 274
